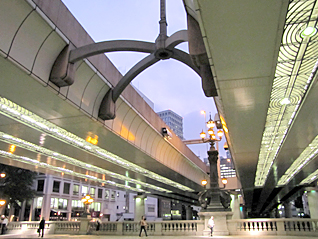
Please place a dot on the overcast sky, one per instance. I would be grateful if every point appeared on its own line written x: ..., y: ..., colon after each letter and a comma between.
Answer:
x: 169, y: 84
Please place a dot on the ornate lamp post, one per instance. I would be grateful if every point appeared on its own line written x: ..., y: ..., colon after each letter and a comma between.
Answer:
x: 213, y: 199
x: 87, y: 200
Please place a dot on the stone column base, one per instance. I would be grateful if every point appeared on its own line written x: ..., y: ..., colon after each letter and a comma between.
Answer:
x: 84, y: 226
x: 220, y: 228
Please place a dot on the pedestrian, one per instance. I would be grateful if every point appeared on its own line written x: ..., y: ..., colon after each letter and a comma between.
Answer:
x: 211, y: 224
x: 143, y: 225
x: 41, y: 227
x: 4, y: 224
x: 98, y: 222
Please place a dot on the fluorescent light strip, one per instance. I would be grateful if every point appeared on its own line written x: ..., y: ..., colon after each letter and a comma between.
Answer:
x: 49, y: 153
x: 18, y: 113
x: 310, y: 152
x: 293, y: 73
x: 312, y: 177
x: 66, y: 171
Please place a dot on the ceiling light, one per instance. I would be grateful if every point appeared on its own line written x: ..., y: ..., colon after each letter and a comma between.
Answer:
x: 285, y: 101
x: 308, y: 32
x: 295, y: 70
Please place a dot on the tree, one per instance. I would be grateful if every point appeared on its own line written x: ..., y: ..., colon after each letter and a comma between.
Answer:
x: 17, y: 185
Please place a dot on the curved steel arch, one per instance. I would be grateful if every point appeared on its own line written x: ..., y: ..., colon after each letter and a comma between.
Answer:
x: 63, y: 70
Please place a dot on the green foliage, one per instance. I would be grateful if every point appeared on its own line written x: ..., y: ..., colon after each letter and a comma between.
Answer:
x: 16, y: 186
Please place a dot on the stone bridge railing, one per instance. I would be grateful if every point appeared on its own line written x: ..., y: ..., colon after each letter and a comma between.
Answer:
x: 261, y: 227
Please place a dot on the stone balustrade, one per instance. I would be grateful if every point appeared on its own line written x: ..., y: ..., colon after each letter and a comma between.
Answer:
x: 262, y: 227
x: 274, y: 226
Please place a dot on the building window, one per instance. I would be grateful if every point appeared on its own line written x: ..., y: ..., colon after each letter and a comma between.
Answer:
x: 56, y: 187
x: 77, y: 204
x: 106, y: 194
x: 59, y: 203
x: 40, y: 186
x: 39, y: 201
x: 151, y: 208
x: 96, y: 206
x: 113, y: 194
x: 92, y: 192
x: 100, y: 193
x: 66, y: 189
x: 84, y: 190
x: 75, y: 189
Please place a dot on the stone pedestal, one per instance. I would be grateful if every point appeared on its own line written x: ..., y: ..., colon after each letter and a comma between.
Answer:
x: 220, y: 217
x: 84, y: 226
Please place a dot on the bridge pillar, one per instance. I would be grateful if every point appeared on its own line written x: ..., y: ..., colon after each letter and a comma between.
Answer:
x: 312, y: 197
x: 288, y: 210
x: 235, y: 206
x: 139, y: 206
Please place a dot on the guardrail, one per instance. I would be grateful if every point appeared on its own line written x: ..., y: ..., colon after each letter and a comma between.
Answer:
x: 278, y: 227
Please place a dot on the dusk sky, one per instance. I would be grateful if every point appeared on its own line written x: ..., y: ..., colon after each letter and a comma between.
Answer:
x: 169, y: 84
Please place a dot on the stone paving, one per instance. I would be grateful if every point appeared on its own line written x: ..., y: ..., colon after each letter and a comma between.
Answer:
x: 57, y: 236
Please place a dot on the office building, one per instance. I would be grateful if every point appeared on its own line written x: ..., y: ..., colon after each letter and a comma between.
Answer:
x: 173, y: 120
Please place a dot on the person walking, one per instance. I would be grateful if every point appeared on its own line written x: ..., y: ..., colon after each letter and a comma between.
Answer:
x: 41, y: 227
x: 143, y: 225
x: 98, y: 222
x: 4, y: 224
x: 211, y: 224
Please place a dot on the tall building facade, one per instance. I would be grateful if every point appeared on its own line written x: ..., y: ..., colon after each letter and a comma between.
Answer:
x: 227, y: 169
x: 173, y: 120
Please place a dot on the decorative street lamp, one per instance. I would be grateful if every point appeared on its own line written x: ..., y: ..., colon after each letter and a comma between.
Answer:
x: 213, y: 199
x: 224, y: 181
x: 204, y: 182
x: 87, y: 200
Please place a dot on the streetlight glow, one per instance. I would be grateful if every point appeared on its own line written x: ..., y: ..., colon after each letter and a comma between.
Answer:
x: 2, y: 202
x: 202, y: 134
x: 224, y: 181
x: 210, y: 123
x: 220, y: 133
x: 204, y: 182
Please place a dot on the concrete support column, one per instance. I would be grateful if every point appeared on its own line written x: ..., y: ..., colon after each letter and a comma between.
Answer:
x: 312, y: 196
x: 235, y: 206
x: 46, y: 204
x: 11, y: 213
x: 69, y: 209
x: 22, y: 211
x: 31, y: 215
x: 189, y: 213
x: 139, y: 206
x: 288, y: 210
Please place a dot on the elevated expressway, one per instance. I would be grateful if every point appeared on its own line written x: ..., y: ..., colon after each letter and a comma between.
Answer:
x: 265, y: 72
x: 263, y: 77
x: 49, y: 125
